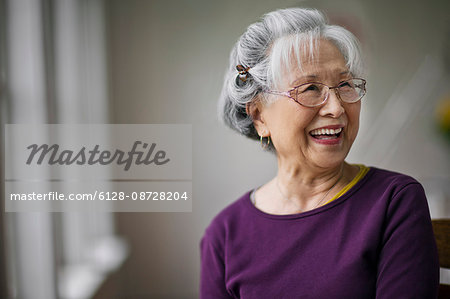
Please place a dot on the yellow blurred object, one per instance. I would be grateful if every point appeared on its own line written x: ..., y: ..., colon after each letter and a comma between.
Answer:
x: 443, y: 114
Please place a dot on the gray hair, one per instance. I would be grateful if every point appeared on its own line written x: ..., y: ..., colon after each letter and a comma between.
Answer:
x: 266, y: 47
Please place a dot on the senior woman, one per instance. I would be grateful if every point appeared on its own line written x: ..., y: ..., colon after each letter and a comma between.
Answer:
x: 321, y: 228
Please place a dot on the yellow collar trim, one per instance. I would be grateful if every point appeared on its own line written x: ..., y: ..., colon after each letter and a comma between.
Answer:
x: 362, y: 172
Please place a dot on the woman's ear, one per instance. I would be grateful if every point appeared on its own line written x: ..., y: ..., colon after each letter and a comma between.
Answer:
x: 255, y: 110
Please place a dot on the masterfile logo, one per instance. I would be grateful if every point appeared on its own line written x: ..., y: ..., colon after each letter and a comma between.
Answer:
x: 111, y: 168
x: 53, y: 154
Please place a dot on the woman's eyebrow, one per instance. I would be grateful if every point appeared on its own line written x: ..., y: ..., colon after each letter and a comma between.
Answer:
x: 303, y: 79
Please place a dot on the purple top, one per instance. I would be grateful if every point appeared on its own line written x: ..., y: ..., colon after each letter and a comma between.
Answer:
x: 375, y: 241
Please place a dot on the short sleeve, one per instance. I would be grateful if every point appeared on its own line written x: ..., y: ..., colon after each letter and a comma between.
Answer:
x: 212, y: 273
x: 408, y: 266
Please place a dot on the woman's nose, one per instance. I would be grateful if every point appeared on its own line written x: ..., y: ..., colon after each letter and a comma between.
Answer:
x: 333, y: 106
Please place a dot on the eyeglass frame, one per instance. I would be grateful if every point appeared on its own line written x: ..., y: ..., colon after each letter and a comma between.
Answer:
x: 288, y: 92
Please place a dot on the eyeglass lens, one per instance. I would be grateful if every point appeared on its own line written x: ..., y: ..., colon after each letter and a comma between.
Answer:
x: 313, y: 94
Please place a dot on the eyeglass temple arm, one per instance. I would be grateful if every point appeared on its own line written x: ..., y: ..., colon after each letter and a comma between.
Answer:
x: 281, y: 93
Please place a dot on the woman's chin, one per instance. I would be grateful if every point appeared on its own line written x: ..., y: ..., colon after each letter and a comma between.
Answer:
x: 328, y: 160
x: 329, y: 151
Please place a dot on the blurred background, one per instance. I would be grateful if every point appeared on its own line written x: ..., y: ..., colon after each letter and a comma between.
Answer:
x: 162, y: 62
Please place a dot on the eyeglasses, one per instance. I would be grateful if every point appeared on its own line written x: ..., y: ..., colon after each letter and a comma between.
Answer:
x: 313, y: 94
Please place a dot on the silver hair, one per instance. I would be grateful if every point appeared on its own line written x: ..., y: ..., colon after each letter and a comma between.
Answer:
x: 268, y: 46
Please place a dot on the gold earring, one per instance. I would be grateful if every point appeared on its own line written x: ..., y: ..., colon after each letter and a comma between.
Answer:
x: 264, y: 145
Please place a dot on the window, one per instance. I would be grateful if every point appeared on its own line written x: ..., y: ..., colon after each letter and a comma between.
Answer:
x: 57, y: 73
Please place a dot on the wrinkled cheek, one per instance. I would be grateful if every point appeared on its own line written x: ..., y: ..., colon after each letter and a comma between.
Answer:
x: 353, y: 132
x: 354, y: 114
x: 357, y: 123
x: 352, y: 136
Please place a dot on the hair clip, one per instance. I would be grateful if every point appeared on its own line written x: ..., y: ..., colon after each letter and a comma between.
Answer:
x: 243, y: 75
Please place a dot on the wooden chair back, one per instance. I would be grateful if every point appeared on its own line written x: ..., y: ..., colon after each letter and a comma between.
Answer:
x: 441, y: 229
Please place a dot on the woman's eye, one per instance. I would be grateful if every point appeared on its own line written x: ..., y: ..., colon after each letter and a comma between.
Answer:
x: 311, y: 87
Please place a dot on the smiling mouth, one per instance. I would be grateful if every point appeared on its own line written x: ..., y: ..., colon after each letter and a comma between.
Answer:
x: 324, y: 134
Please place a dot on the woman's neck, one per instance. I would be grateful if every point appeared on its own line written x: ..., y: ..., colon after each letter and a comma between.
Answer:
x: 300, y: 189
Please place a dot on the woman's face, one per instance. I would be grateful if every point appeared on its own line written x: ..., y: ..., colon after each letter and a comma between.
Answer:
x: 293, y: 128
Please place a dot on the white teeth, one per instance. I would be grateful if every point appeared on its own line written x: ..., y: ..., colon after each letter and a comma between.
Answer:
x: 326, y: 131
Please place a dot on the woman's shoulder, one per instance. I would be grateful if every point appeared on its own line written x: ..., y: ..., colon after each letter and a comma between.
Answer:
x: 392, y: 187
x: 389, y: 179
x: 228, y: 218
